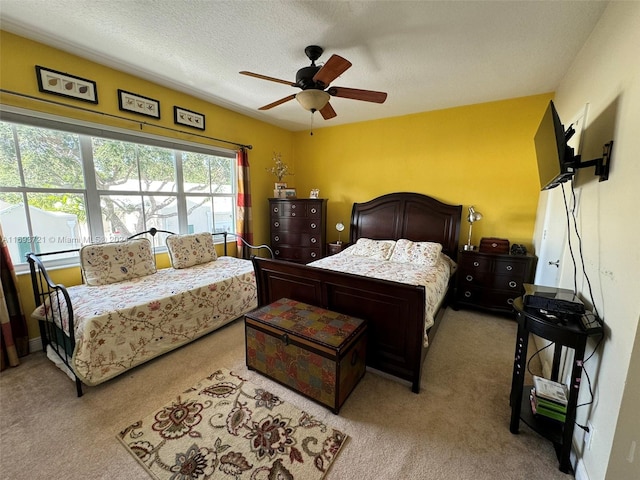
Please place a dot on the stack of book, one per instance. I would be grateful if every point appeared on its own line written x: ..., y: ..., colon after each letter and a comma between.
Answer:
x: 549, y: 399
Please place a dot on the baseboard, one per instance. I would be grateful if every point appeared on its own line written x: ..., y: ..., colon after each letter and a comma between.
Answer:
x: 35, y: 345
x: 578, y: 466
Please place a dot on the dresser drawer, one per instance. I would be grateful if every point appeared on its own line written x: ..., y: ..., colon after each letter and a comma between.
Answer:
x: 297, y: 254
x: 289, y: 224
x: 296, y: 238
x: 475, y: 263
x: 508, y: 282
x: 511, y: 265
x: 298, y: 209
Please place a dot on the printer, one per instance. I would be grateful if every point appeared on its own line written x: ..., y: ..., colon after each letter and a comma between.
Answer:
x: 552, y: 300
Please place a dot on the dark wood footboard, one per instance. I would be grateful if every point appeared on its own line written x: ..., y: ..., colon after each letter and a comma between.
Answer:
x: 394, y: 311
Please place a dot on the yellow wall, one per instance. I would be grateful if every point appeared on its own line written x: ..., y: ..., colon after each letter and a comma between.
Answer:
x: 481, y: 155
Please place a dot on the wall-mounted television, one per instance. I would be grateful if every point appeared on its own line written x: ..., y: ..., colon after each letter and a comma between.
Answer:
x: 556, y: 159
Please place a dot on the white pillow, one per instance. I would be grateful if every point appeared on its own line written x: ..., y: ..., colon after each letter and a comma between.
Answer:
x: 192, y: 249
x: 417, y: 253
x: 376, y: 249
x: 105, y: 263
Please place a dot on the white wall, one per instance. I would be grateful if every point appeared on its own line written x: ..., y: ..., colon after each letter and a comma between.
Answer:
x: 606, y: 76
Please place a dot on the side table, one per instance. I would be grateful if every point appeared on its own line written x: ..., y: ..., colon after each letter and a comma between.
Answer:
x: 563, y: 333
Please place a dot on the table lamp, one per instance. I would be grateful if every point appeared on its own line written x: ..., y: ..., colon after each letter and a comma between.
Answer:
x: 471, y: 218
x: 339, y: 228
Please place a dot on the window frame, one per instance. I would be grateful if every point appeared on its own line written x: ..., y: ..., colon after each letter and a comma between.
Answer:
x: 87, y: 130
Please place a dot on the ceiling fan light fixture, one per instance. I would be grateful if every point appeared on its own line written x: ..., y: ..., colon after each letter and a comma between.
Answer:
x: 312, y: 99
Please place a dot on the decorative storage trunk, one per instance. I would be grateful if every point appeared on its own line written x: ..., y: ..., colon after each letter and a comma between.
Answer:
x: 316, y: 352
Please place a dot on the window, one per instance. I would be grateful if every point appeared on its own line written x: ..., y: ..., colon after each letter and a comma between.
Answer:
x: 60, y: 190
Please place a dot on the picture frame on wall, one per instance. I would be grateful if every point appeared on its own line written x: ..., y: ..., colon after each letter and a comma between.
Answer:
x: 132, y: 102
x: 66, y: 85
x: 182, y: 116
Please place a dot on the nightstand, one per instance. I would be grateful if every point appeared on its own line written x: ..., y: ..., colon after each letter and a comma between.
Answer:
x: 333, y: 248
x: 492, y: 281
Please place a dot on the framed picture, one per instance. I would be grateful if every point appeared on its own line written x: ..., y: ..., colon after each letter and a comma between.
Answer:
x: 289, y: 192
x: 280, y: 185
x: 131, y: 102
x: 66, y: 85
x: 182, y: 116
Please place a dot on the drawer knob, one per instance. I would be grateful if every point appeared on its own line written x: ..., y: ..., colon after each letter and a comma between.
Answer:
x: 467, y: 294
x: 513, y: 284
x: 509, y: 267
x: 494, y: 244
x: 313, y: 240
x: 510, y: 301
x: 276, y: 224
x: 276, y: 209
x: 313, y: 210
x: 313, y: 225
x: 469, y: 278
x: 293, y: 214
x: 293, y: 206
x: 276, y: 238
x: 277, y: 252
x: 285, y: 339
x: 476, y: 264
x: 313, y: 254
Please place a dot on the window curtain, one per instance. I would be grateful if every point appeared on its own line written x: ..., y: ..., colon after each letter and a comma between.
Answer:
x: 15, y: 338
x: 243, y: 207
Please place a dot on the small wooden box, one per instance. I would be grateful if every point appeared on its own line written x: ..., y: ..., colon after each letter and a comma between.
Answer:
x: 316, y: 352
x: 494, y: 245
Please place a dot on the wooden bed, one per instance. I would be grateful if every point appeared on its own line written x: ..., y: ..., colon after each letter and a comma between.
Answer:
x: 394, y: 311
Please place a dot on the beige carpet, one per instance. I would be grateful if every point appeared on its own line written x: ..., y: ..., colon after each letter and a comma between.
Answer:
x: 456, y: 428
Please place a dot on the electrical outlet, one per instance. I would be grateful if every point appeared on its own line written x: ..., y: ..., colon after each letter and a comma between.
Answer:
x: 588, y: 436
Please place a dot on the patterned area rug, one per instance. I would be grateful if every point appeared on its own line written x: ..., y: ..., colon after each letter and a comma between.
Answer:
x: 227, y: 428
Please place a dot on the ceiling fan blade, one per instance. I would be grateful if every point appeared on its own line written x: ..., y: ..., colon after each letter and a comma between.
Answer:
x: 357, y: 94
x: 271, y: 79
x: 278, y: 102
x: 328, y: 112
x: 332, y: 69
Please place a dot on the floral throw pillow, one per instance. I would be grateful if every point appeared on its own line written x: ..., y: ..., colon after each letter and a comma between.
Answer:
x: 192, y: 249
x: 105, y: 263
x: 376, y: 249
x: 417, y: 253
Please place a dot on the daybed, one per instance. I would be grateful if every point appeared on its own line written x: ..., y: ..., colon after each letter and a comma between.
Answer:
x: 128, y: 312
x: 400, y: 297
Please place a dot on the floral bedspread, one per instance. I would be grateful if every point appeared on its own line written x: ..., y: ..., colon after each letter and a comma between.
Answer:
x: 124, y: 324
x: 435, y: 279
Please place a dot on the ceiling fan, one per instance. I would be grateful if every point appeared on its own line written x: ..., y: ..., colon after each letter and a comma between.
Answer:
x: 314, y: 82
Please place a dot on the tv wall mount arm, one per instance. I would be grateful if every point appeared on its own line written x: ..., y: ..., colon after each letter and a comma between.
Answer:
x: 602, y: 164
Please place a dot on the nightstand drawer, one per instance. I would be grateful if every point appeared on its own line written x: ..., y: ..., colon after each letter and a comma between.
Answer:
x: 474, y: 263
x: 511, y: 265
x: 508, y: 282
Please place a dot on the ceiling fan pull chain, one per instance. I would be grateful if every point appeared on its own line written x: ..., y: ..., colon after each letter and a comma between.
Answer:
x: 311, y: 128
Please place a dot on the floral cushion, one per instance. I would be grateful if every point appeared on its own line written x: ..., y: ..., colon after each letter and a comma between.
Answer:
x: 377, y: 249
x: 417, y: 253
x: 192, y: 249
x: 105, y: 263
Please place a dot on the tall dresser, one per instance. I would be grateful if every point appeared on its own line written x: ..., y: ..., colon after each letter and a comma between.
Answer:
x: 298, y: 228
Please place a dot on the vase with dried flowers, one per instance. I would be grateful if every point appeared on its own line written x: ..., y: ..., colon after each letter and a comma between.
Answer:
x: 280, y: 170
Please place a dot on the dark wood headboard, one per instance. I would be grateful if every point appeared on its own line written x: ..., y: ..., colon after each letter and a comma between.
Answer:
x: 413, y: 216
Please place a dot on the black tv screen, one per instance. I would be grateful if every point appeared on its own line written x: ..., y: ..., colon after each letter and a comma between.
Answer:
x: 555, y: 158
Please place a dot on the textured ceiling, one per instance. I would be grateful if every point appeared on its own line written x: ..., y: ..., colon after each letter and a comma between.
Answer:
x: 426, y: 55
